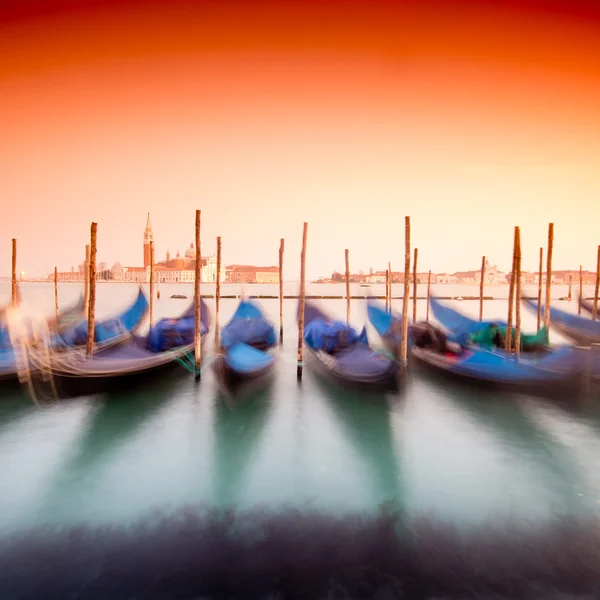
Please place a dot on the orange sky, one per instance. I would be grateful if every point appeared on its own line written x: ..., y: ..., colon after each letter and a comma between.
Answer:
x: 471, y: 117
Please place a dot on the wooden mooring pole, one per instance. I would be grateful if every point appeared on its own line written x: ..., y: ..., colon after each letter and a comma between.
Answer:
x: 428, y: 296
x: 281, y: 249
x: 540, y: 278
x: 218, y: 292
x: 518, y: 295
x: 389, y: 291
x: 151, y: 314
x: 415, y: 286
x: 302, y: 303
x: 92, y: 290
x: 549, y: 275
x: 56, y: 291
x: 387, y: 287
x: 481, y: 284
x: 14, y: 291
x: 86, y: 284
x: 347, y: 285
x: 404, y: 342
x: 580, y: 288
x: 198, y: 301
x: 597, y: 288
x: 570, y: 287
x: 511, y: 296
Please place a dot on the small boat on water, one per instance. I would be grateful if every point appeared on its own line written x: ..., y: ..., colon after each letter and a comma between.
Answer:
x: 169, y: 343
x: 588, y: 306
x: 579, y: 328
x: 245, y: 344
x: 459, y: 355
x: 339, y: 352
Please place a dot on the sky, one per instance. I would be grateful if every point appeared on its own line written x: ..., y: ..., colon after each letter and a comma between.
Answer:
x: 471, y: 117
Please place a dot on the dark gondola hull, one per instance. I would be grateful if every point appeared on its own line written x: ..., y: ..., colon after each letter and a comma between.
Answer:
x: 567, y: 383
x: 389, y: 382
x: 83, y: 383
x: 235, y: 381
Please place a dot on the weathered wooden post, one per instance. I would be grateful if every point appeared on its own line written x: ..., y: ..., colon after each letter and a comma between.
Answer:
x: 86, y: 278
x: 347, y: 286
x: 415, y: 285
x: 549, y: 275
x: 570, y: 287
x: 580, y: 287
x: 481, y: 284
x: 389, y: 291
x: 92, y: 290
x: 597, y: 288
x: 151, y: 315
x: 56, y: 292
x: 518, y: 294
x: 218, y: 292
x: 404, y: 342
x: 281, y: 249
x: 198, y: 301
x: 14, y: 292
x: 428, y: 295
x: 387, y: 287
x: 511, y: 296
x: 302, y: 303
x: 540, y: 278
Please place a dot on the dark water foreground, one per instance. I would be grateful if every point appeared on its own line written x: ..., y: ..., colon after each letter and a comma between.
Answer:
x: 203, y: 552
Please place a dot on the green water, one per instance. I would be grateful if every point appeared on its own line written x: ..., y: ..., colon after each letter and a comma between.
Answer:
x: 437, y: 448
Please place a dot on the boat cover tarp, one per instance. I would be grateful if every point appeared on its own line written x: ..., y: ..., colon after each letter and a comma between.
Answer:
x: 360, y: 361
x: 8, y: 364
x: 4, y: 337
x: 108, y: 329
x: 331, y: 336
x: 249, y: 326
x: 463, y: 329
x: 173, y: 333
x: 243, y: 358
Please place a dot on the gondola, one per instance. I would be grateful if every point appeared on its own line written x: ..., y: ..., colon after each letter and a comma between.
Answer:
x: 107, y: 333
x: 244, y: 347
x: 456, y: 355
x: 169, y: 343
x: 581, y: 329
x: 337, y: 351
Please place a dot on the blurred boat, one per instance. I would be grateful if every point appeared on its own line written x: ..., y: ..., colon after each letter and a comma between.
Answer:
x: 456, y: 353
x: 579, y: 328
x: 339, y: 352
x: 107, y: 333
x: 169, y: 343
x: 245, y: 344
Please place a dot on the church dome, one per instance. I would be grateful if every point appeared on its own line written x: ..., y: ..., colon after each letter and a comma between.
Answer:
x: 190, y: 252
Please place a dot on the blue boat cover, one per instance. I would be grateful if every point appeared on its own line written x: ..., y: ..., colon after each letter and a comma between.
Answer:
x: 331, y: 336
x: 105, y: 330
x: 361, y: 362
x: 173, y: 333
x: 249, y: 326
x: 4, y: 337
x: 243, y: 358
x: 8, y: 364
x: 387, y: 324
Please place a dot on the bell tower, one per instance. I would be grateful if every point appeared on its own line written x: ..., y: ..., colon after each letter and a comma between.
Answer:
x: 148, y: 237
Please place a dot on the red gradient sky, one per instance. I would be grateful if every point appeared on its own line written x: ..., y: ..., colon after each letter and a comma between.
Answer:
x: 471, y: 117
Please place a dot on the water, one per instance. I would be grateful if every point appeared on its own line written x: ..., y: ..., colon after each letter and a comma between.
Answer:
x: 459, y: 454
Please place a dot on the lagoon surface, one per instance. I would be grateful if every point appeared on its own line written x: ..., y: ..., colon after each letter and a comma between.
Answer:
x: 463, y: 455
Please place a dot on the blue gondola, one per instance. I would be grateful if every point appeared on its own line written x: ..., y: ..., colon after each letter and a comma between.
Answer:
x: 451, y: 354
x: 339, y: 352
x: 108, y: 333
x: 581, y: 329
x: 245, y: 344
x: 169, y: 343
